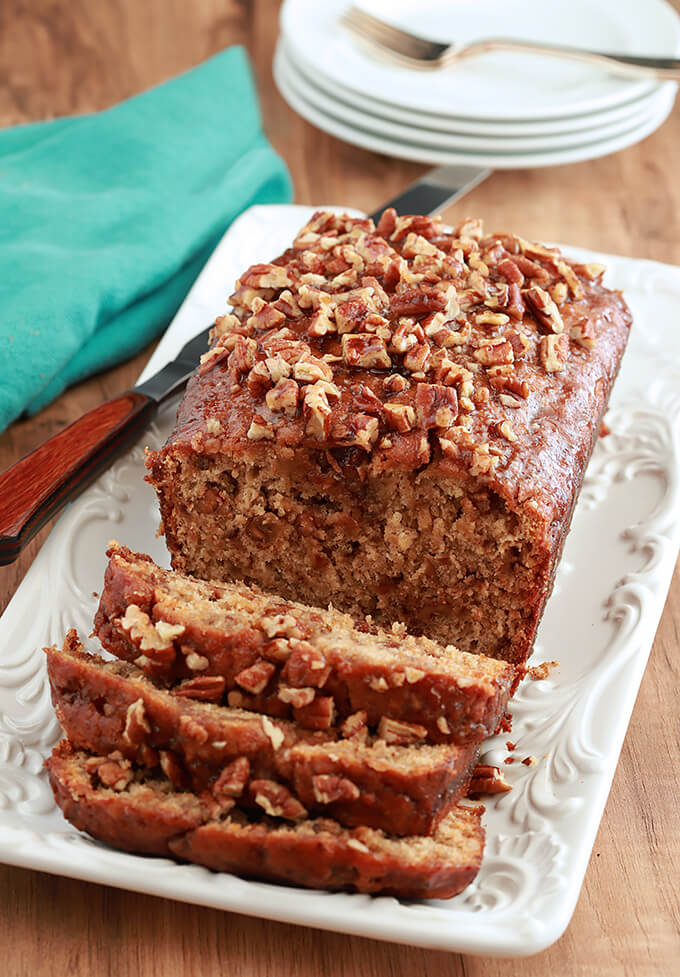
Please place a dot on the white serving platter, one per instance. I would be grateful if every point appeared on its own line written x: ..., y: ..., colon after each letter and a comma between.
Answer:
x: 599, y: 623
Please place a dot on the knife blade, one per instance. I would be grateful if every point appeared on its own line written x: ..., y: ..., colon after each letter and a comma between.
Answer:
x: 434, y: 191
x: 41, y: 483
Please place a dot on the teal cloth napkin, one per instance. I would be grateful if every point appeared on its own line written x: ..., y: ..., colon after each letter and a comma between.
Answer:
x: 106, y: 220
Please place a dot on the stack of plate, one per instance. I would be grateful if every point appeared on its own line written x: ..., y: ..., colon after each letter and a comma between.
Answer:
x: 496, y: 110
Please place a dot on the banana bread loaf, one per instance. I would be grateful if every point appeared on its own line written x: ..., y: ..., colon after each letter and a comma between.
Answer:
x: 129, y: 808
x: 288, y: 660
x: 396, y: 420
x: 271, y: 764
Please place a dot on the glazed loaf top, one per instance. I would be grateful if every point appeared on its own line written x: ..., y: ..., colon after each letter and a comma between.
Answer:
x: 366, y: 349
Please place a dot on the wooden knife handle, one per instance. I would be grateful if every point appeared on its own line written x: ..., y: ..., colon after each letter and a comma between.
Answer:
x: 40, y: 484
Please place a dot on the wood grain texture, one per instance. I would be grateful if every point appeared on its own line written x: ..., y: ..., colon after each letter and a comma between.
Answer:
x: 65, y: 56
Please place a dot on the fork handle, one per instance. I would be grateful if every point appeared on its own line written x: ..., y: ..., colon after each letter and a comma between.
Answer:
x: 630, y: 65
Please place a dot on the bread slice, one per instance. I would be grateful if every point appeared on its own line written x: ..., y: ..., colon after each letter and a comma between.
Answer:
x: 270, y: 764
x: 131, y: 809
x: 286, y: 659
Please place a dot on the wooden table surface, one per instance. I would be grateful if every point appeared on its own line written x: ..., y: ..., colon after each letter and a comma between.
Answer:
x: 64, y: 56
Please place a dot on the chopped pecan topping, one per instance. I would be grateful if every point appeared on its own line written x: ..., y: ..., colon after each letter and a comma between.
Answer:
x: 494, y: 354
x: 233, y: 778
x: 273, y: 732
x: 266, y: 276
x: 305, y: 667
x: 319, y: 714
x: 284, y: 397
x: 280, y: 626
x: 172, y: 768
x: 487, y: 779
x: 544, y: 308
x: 505, y: 430
x: 255, y: 678
x: 432, y: 308
x: 206, y: 688
x: 136, y: 723
x: 400, y: 417
x: 191, y: 729
x: 196, y: 662
x: 116, y: 774
x: 583, y: 333
x: 329, y: 788
x: 365, y: 350
x: 260, y: 430
x: 355, y: 726
x: 147, y: 636
x: 276, y: 800
x: 317, y: 412
x: 400, y: 733
x: 436, y: 405
x: 295, y: 697
x: 553, y: 352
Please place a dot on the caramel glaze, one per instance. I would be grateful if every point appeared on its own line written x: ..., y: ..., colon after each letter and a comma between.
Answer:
x: 555, y: 425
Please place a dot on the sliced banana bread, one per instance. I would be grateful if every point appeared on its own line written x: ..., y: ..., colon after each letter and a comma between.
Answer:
x: 129, y: 808
x: 271, y: 764
x: 285, y: 659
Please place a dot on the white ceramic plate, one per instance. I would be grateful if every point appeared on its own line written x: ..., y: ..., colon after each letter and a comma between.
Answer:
x: 495, y: 86
x: 368, y: 136
x: 363, y: 102
x: 297, y: 83
x: 600, y: 623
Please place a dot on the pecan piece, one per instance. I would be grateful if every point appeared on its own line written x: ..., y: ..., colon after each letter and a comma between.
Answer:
x: 192, y: 730
x: 276, y: 800
x: 365, y: 350
x: 509, y: 270
x: 400, y: 417
x: 544, y: 308
x: 319, y: 714
x: 136, y: 723
x: 295, y: 697
x: 266, y: 276
x: 487, y: 779
x: 329, y: 787
x: 355, y: 727
x: 400, y: 733
x: 254, y: 679
x: 583, y: 332
x: 207, y: 688
x: 233, y: 778
x: 495, y: 354
x: 553, y: 352
x: 172, y: 769
x: 436, y: 405
x: 305, y: 667
x: 115, y: 774
x: 417, y: 303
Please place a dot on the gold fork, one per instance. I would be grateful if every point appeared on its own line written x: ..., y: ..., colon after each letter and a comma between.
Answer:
x: 412, y: 51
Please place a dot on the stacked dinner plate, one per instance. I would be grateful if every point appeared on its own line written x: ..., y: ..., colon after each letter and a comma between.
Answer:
x: 496, y: 110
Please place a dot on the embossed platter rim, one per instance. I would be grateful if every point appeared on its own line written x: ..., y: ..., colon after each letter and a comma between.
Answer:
x: 600, y: 623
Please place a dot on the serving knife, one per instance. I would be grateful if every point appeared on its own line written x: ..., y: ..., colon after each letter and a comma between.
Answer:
x: 41, y: 483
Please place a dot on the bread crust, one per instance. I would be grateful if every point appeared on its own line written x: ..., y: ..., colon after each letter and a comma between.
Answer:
x: 148, y: 817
